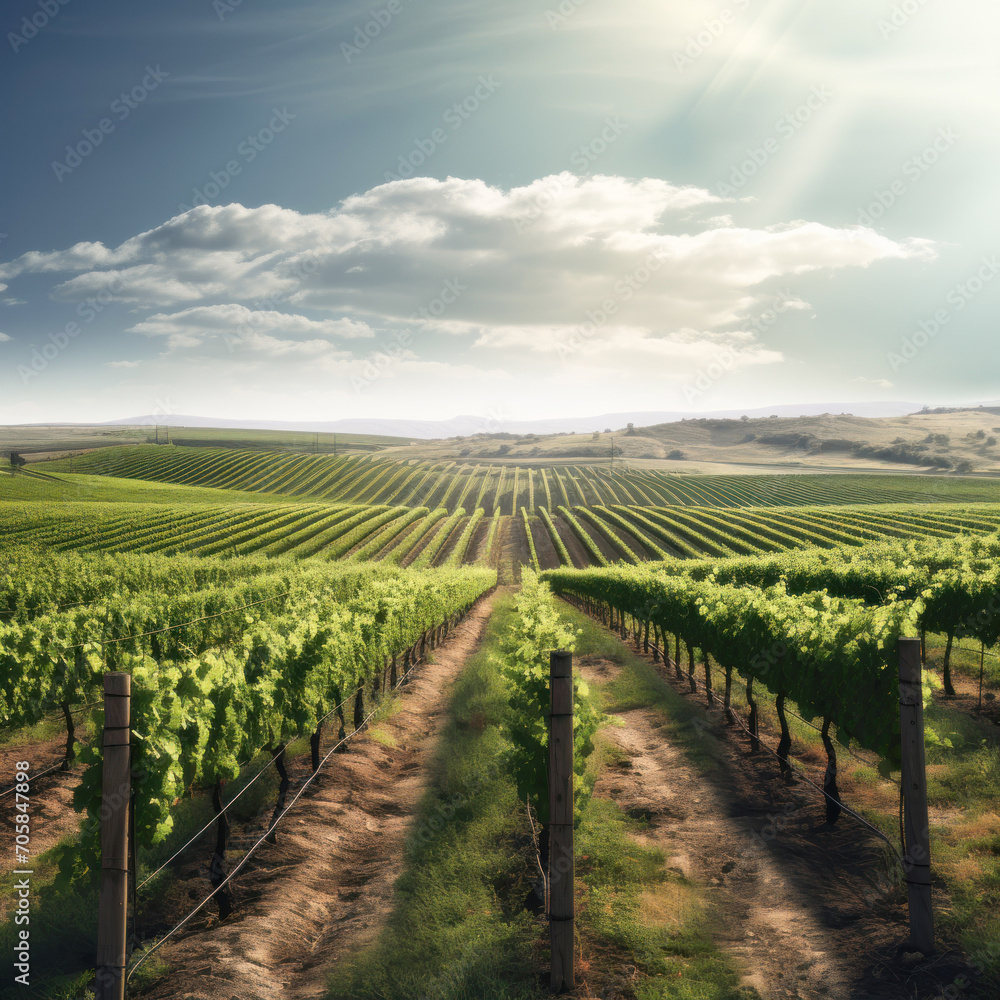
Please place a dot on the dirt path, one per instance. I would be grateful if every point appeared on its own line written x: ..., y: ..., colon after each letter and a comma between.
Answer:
x: 797, y: 904
x: 579, y: 555
x: 326, y: 888
x: 50, y: 800
x: 548, y: 558
x: 512, y: 546
x: 967, y: 698
x: 762, y: 921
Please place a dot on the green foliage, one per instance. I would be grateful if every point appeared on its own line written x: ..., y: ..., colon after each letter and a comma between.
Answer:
x: 531, y: 540
x: 535, y: 632
x: 830, y: 655
x: 226, y: 657
x: 458, y: 928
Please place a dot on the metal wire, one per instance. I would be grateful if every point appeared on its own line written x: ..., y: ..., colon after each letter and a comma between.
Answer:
x: 33, y: 777
x: 802, y: 774
x: 170, y: 628
x: 233, y: 800
x: 250, y: 852
x: 788, y: 711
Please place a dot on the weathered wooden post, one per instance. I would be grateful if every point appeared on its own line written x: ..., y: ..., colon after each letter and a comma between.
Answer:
x: 561, y: 860
x: 914, y: 779
x: 115, y: 793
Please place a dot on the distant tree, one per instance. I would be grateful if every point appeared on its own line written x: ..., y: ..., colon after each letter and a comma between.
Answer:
x: 942, y: 439
x: 17, y: 461
x: 504, y: 449
x: 595, y: 436
x: 676, y: 454
x: 991, y: 441
x: 980, y: 435
x: 744, y: 418
x: 963, y: 467
x: 607, y: 430
x: 630, y: 430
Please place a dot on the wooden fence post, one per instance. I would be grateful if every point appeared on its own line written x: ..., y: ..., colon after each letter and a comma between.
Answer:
x: 914, y: 779
x: 561, y: 860
x: 115, y: 794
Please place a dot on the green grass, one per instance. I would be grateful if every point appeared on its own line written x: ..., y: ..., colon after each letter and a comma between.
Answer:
x: 67, y: 438
x: 631, y: 899
x: 457, y: 928
x: 965, y: 659
x: 638, y: 685
x: 963, y: 780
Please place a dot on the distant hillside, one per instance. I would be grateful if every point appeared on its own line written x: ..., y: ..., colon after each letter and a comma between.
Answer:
x: 467, y: 425
x: 963, y: 441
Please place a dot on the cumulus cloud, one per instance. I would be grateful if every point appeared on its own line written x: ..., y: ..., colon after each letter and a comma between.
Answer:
x: 383, y: 250
x: 3, y: 338
x: 591, y: 271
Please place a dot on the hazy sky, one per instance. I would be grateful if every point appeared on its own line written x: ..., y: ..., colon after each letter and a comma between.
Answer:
x: 518, y: 208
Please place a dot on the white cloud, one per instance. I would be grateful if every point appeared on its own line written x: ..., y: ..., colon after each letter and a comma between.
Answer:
x: 643, y: 273
x: 558, y: 241
x: 123, y: 364
x: 882, y: 383
x: 234, y: 321
x: 4, y: 338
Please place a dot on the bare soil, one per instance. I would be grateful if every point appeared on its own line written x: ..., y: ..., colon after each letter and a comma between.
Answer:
x: 478, y: 540
x: 512, y: 545
x: 803, y: 908
x: 579, y: 555
x: 548, y: 558
x: 325, y: 889
x: 50, y: 805
x: 631, y: 542
x: 967, y: 698
x: 604, y: 546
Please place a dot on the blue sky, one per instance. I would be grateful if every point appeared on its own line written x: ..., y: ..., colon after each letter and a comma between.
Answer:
x: 512, y: 209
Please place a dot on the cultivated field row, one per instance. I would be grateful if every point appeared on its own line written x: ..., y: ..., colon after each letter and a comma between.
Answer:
x: 422, y: 536
x: 503, y: 488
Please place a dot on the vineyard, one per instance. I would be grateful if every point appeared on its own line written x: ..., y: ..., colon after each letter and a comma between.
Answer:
x: 820, y: 628
x: 378, y: 480
x: 260, y: 602
x: 402, y: 535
